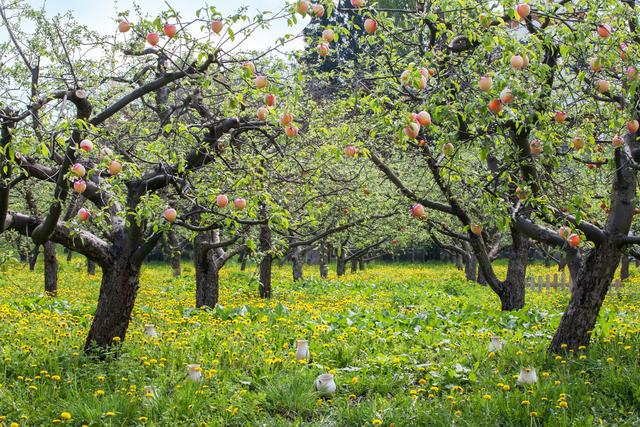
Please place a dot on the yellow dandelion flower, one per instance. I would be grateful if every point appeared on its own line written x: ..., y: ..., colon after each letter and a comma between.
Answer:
x: 486, y: 397
x: 65, y: 416
x: 376, y: 422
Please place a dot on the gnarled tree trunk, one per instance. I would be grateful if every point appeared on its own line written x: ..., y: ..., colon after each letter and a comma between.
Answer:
x: 324, y: 260
x: 512, y: 289
x: 264, y: 288
x: 297, y: 261
x: 91, y: 267
x: 174, y: 253
x: 50, y: 269
x: 341, y: 262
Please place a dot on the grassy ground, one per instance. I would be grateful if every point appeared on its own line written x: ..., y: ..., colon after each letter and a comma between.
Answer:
x: 408, y: 346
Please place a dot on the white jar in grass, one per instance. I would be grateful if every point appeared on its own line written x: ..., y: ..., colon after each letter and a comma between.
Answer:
x: 495, y: 344
x: 527, y: 376
x: 194, y: 372
x: 150, y: 330
x: 325, y: 385
x: 302, y: 350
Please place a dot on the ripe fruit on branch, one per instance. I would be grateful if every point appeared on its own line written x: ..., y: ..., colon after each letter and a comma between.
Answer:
x: 124, y: 26
x: 485, y: 83
x: 240, y: 203
x: 495, y: 106
x: 564, y: 232
x: 350, y: 151
x: 506, y: 96
x: 328, y: 35
x: 270, y: 99
x: 79, y: 186
x: 261, y: 82
x: 291, y: 131
x: 170, y: 214
x: 517, y: 62
x: 357, y: 3
x: 448, y: 149
x: 249, y: 66
x: 370, y: 25
x: 577, y: 142
x: 560, y: 116
x: 86, y: 145
x: 115, y: 167
x: 83, y: 214
x: 424, y: 118
x: 422, y: 143
x: 303, y: 7
x: 318, y: 10
x: 153, y: 39
x: 523, y: 10
x: 603, y: 86
x: 323, y: 49
x: 476, y: 229
x: 170, y: 30
x: 574, y: 240
x: 286, y: 118
x: 222, y: 200
x: 632, y: 73
x: 617, y: 141
x: 262, y: 113
x: 78, y: 170
x: 418, y: 211
x: 595, y: 64
x: 412, y: 129
x: 604, y: 31
x: 216, y: 26
x: 632, y: 126
x: 536, y: 146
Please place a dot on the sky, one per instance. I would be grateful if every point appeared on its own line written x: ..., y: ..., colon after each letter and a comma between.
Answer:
x: 100, y: 14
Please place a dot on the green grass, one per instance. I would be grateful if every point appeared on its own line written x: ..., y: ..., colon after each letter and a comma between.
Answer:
x: 407, y: 344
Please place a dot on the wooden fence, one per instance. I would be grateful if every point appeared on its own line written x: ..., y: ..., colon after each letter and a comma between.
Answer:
x: 558, y: 285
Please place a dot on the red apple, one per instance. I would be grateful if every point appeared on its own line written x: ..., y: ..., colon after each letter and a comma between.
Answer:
x: 422, y: 143
x: 270, y: 99
x: 564, y: 232
x: 370, y: 25
x: 78, y: 170
x: 170, y: 30
x: 574, y: 240
x: 261, y: 82
x: 523, y: 10
x: 86, y: 145
x: 495, y: 106
x: 318, y: 10
x: 632, y: 126
x: 216, y: 26
x: 79, y: 186
x: 424, y: 118
x: 536, y: 146
x: 262, y: 113
x: 603, y: 86
x: 412, y: 129
x: 115, y: 167
x: 250, y: 67
x: 578, y: 142
x: 83, y: 214
x: 303, y: 7
x: 240, y: 203
x: 286, y: 118
x: 124, y: 26
x: 357, y: 3
x: 323, y: 49
x: 595, y: 64
x: 617, y: 141
x: 604, y: 31
x: 517, y: 62
x: 632, y: 73
x: 506, y: 96
x: 560, y: 116
x: 418, y: 211
x: 291, y: 131
x: 476, y: 229
x: 350, y: 151
x: 448, y: 149
x: 153, y: 39
x: 485, y: 83
x: 222, y: 200
x: 328, y: 35
x: 170, y: 214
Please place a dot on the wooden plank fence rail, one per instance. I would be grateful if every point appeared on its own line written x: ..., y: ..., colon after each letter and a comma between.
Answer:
x: 558, y: 285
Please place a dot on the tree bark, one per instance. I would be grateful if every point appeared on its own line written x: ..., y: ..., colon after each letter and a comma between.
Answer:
x: 361, y: 263
x: 512, y: 289
x: 459, y: 264
x: 624, y: 267
x: 341, y: 263
x: 354, y: 265
x: 264, y: 288
x: 33, y: 259
x: 470, y: 267
x: 50, y: 269
x: 174, y: 253
x: 297, y: 262
x: 91, y: 267
x: 324, y: 259
x: 118, y: 292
